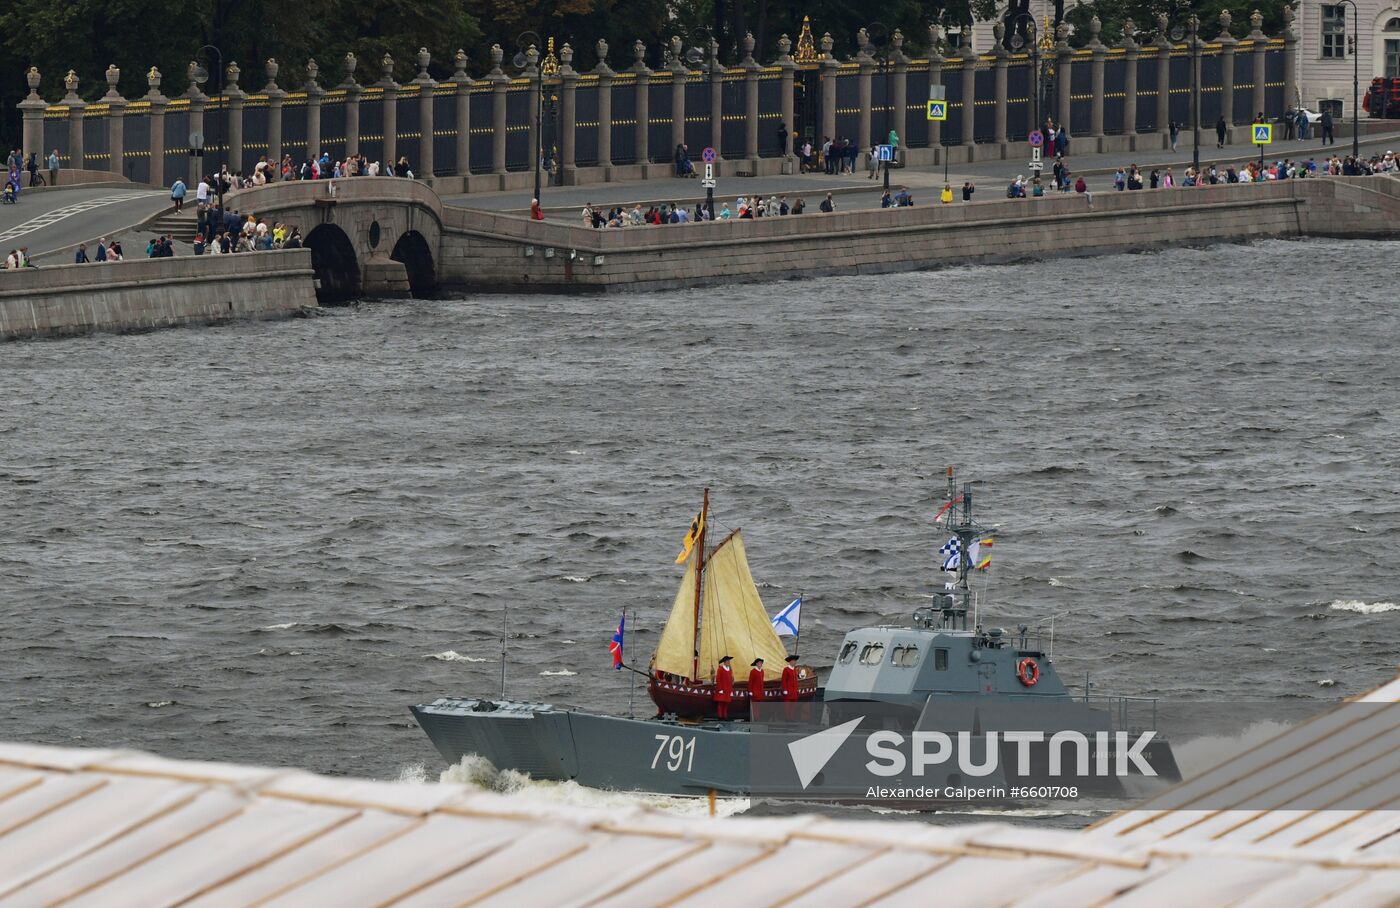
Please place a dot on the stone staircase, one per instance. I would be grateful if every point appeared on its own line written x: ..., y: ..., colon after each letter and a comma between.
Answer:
x: 182, y: 227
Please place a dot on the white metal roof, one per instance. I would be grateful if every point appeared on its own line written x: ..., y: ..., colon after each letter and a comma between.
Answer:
x: 115, y: 828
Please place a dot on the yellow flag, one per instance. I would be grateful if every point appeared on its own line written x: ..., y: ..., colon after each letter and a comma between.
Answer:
x: 693, y: 534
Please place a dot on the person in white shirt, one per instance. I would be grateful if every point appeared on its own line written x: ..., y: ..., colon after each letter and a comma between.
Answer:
x: 201, y: 194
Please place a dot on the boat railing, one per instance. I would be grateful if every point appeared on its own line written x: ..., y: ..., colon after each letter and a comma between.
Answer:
x: 1130, y: 714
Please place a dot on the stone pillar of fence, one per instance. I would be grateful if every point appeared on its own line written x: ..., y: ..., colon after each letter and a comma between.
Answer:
x: 157, y: 102
x: 32, y: 108
x: 76, y: 109
x: 1164, y: 75
x: 275, y: 97
x: 568, y: 116
x: 643, y: 103
x: 534, y: 119
x: 1259, y: 43
x: 1290, y: 58
x: 462, y: 85
x: 499, y: 83
x: 675, y: 64
x: 1130, y: 78
x: 234, y: 96
x: 1001, y: 60
x: 116, y: 121
x: 315, y: 94
x: 390, y: 144
x: 716, y: 74
x: 1196, y: 46
x: 1227, y: 44
x: 751, y: 69
x: 789, y: 70
x: 935, y: 80
x: 969, y: 98
x: 866, y: 67
x: 899, y: 116
x: 1064, y: 76
x: 605, y: 93
x: 829, y: 68
x: 426, y: 165
x: 198, y: 168
x: 1099, y: 53
x: 352, y: 105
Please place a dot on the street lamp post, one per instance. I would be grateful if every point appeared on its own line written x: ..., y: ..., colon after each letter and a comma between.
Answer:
x: 1193, y: 26
x: 1355, y: 48
x: 694, y: 56
x: 219, y: 70
x: 527, y: 55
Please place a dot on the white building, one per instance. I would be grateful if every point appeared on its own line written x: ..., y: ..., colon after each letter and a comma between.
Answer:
x: 1325, y: 64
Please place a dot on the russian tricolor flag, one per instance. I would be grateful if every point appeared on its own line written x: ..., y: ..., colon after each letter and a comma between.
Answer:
x: 615, y: 647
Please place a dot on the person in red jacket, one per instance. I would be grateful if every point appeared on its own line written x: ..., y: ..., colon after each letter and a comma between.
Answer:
x: 790, y: 680
x: 755, y: 684
x: 724, y: 687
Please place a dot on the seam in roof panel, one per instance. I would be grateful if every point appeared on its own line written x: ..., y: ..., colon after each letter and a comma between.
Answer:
x: 1335, y: 826
x: 511, y: 881
x: 835, y: 871
x: 883, y: 894
x: 765, y: 852
x: 342, y: 861
x: 627, y: 883
x: 56, y: 805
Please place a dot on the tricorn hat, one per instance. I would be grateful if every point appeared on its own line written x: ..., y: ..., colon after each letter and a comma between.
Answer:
x: 756, y: 662
x: 792, y: 658
x: 727, y: 659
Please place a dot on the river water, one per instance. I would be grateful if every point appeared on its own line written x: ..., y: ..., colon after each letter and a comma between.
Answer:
x: 261, y: 542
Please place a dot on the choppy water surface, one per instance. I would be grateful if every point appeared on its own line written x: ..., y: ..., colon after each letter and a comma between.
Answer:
x: 262, y: 542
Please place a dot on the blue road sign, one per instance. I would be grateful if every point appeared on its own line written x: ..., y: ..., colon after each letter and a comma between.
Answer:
x: 938, y: 110
x: 886, y: 153
x: 1263, y: 133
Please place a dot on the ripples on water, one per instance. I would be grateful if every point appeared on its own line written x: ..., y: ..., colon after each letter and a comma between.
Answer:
x: 261, y: 542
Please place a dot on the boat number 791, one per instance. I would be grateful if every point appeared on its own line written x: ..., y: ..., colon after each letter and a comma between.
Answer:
x: 677, y: 750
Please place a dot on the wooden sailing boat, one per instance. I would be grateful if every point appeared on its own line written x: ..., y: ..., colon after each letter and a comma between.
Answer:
x: 717, y: 612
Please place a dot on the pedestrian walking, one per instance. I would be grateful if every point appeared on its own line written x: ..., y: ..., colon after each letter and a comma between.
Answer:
x: 1174, y: 131
x: 53, y: 167
x: 177, y: 194
x: 1220, y: 129
x: 1327, y: 137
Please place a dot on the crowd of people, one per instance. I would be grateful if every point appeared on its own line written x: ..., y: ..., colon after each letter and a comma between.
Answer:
x: 675, y: 213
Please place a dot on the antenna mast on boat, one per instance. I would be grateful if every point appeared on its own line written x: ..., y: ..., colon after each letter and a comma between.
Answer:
x: 699, y: 574
x: 504, y: 633
x: 966, y: 531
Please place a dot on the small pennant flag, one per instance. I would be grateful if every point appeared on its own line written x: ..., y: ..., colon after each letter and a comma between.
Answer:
x: 787, y: 622
x: 615, y: 647
x: 691, y: 535
x: 981, y: 554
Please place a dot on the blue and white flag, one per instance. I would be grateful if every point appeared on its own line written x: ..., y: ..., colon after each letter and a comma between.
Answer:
x: 787, y: 622
x: 951, y: 552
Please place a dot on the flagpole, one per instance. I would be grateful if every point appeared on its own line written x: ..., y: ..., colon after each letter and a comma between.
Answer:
x: 632, y: 685
x: 797, y: 637
x: 504, y: 634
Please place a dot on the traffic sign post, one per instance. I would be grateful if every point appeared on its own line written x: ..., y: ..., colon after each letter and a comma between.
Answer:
x: 708, y: 156
x: 886, y: 153
x: 196, y: 144
x: 1262, y: 134
x: 1036, y: 164
x: 709, y: 182
x: 1036, y: 138
x: 938, y: 110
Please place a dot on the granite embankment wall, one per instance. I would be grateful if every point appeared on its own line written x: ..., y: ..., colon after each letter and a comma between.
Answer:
x: 495, y: 251
x: 146, y: 294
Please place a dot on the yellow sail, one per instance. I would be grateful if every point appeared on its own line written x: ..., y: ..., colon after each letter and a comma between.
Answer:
x: 675, y: 653
x: 733, y: 621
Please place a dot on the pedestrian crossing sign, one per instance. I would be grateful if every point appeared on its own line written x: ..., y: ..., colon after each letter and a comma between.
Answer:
x: 1263, y: 133
x: 938, y: 110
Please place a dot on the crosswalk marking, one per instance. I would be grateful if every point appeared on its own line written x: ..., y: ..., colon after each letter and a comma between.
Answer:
x: 59, y: 214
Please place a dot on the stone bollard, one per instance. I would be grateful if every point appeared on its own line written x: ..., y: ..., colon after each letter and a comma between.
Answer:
x: 605, y: 90
x: 158, y: 103
x: 275, y: 98
x: 462, y: 84
x: 426, y: 87
x: 353, y: 91
x: 77, y: 107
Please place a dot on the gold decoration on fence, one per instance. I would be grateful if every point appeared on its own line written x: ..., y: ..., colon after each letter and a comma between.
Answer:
x: 806, y: 45
x: 550, y: 66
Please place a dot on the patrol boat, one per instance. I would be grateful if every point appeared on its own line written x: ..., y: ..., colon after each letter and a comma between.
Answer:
x: 979, y: 693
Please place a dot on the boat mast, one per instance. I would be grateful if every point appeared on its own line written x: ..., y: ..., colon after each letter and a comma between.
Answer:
x: 699, y: 574
x: 966, y: 531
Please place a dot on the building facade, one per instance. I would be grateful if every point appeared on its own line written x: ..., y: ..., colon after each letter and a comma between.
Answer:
x: 1325, y: 65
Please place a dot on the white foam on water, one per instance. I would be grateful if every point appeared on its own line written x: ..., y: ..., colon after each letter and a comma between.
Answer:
x: 279, y: 627
x: 1056, y: 581
x: 573, y: 579
x: 158, y: 704
x: 477, y: 772
x: 562, y: 673
x: 412, y: 774
x: 1363, y: 608
x: 1327, y: 682
x: 575, y: 453
x: 1199, y: 755
x: 454, y: 656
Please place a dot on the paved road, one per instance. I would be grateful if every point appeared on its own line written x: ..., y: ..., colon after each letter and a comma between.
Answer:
x: 51, y: 219
x: 991, y: 177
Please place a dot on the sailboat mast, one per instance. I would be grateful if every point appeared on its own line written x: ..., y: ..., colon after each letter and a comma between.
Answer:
x: 699, y: 575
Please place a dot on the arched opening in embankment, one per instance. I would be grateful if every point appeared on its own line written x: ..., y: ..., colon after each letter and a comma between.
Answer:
x: 417, y: 258
x: 337, y: 268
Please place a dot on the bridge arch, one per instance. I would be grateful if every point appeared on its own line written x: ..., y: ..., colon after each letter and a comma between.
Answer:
x: 413, y: 251
x: 336, y: 265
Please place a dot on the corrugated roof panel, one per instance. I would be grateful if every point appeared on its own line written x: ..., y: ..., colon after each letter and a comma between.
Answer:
x: 65, y: 833
x: 986, y: 881
x: 1323, y: 832
x: 320, y: 856
x: 361, y: 793
x: 1305, y: 886
x: 431, y: 850
x: 1090, y: 884
x: 1205, y: 882
x: 258, y: 833
x: 774, y: 877
x: 142, y: 764
x: 701, y: 867
x: 54, y: 792
x: 14, y: 779
x: 43, y: 756
x: 210, y: 807
x: 1380, y: 889
x: 855, y: 885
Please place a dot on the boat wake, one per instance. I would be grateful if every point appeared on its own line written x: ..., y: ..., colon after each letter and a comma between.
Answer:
x: 477, y: 772
x: 452, y: 655
x: 1197, y: 755
x: 1363, y: 608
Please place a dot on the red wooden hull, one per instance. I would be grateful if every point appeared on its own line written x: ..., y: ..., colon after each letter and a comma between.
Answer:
x: 696, y: 700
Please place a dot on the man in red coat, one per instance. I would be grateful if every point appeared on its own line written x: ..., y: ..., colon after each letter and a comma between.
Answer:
x: 724, y: 687
x: 790, y: 680
x: 755, y: 684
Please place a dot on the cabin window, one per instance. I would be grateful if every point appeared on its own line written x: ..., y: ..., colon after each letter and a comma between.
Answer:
x: 848, y: 651
x: 872, y: 654
x: 940, y: 659
x: 905, y: 656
